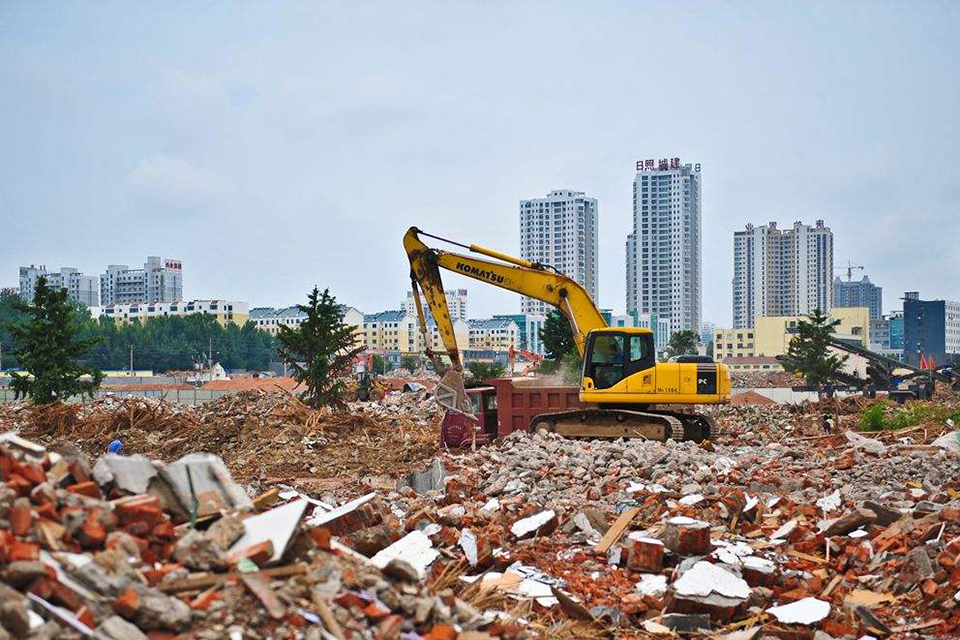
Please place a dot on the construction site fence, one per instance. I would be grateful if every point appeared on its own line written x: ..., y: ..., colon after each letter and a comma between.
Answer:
x: 179, y: 396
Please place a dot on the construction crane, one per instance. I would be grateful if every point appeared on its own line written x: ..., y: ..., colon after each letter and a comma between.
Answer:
x: 849, y: 268
x: 622, y: 384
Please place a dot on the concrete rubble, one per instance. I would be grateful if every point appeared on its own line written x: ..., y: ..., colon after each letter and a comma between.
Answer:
x: 772, y: 529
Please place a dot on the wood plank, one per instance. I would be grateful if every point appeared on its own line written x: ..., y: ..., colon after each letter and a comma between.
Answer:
x: 616, y: 530
x: 209, y: 579
x: 260, y: 587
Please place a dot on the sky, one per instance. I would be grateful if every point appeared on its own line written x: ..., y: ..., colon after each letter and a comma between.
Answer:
x: 277, y: 146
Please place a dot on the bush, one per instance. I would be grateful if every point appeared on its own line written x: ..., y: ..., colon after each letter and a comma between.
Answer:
x: 874, y: 417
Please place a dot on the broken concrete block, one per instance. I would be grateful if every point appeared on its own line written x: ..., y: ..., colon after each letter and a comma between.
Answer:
x: 119, y: 629
x: 645, y: 555
x: 401, y: 570
x: 130, y: 475
x: 853, y: 519
x: 685, y: 623
x: 225, y: 531
x: 198, y: 552
x: 917, y: 565
x: 538, y: 524
x: 430, y: 479
x: 158, y: 611
x: 708, y: 589
x: 21, y: 574
x: 687, y: 536
x: 885, y: 515
x: 205, y: 478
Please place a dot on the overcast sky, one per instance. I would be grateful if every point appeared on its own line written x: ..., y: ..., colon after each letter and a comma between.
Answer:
x: 276, y: 145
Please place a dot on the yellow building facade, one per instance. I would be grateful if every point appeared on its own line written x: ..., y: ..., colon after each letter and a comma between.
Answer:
x: 770, y: 337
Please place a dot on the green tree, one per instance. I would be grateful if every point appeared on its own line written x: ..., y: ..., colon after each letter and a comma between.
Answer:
x: 410, y: 363
x: 380, y: 365
x: 320, y: 350
x: 480, y: 371
x: 682, y: 342
x: 808, y: 352
x: 556, y: 335
x: 49, y: 345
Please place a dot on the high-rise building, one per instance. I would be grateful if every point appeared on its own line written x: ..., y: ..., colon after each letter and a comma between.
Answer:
x: 456, y: 303
x: 781, y: 272
x: 931, y: 328
x: 862, y: 293
x: 561, y: 231
x: 81, y: 288
x: 160, y: 280
x: 663, y: 252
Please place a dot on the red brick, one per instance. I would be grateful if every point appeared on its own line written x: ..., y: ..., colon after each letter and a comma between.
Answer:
x: 376, y: 611
x: 164, y: 530
x: 85, y: 616
x: 23, y: 551
x: 33, y: 473
x: 145, y: 510
x: 65, y: 597
x: 92, y: 534
x: 441, y: 632
x: 390, y: 627
x: 76, y: 470
x: 258, y: 553
x: 48, y: 511
x: 645, y: 555
x: 687, y: 537
x: 321, y: 538
x: 20, y: 517
x: 203, y: 601
x: 161, y: 635
x: 127, y: 603
x: 20, y: 485
x: 88, y: 488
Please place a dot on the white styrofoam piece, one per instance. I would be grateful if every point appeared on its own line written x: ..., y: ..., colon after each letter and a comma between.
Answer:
x: 806, y: 611
x: 526, y: 526
x: 652, y: 584
x: 320, y: 519
x: 785, y: 529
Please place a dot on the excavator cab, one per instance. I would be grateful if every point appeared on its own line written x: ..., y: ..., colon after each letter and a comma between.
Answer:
x: 613, y: 355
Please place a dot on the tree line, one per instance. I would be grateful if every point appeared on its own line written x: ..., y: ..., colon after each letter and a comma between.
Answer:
x: 173, y: 343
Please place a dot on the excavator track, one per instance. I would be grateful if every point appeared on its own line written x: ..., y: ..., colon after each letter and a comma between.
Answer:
x: 625, y: 423
x: 611, y: 423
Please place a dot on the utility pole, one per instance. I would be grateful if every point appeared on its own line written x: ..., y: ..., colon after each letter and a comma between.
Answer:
x: 131, y: 360
x: 210, y: 355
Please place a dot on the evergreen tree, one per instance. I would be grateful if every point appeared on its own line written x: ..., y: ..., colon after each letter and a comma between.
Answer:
x: 48, y: 346
x: 480, y: 371
x: 320, y: 350
x: 808, y: 354
x: 410, y: 363
x: 682, y: 342
x: 556, y: 335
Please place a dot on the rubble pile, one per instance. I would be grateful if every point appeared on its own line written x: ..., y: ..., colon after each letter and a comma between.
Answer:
x: 764, y: 379
x: 261, y: 435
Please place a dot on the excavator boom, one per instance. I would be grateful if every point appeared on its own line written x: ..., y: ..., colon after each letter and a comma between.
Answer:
x: 507, y: 272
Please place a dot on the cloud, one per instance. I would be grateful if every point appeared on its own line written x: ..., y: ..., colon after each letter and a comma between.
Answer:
x: 175, y: 185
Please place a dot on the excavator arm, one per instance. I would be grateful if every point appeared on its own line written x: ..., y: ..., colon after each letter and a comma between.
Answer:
x: 526, y: 278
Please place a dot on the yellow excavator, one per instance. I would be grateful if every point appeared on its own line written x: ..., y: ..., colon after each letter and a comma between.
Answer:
x: 625, y: 391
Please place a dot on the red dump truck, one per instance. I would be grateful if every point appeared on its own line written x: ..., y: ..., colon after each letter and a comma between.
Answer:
x: 505, y: 406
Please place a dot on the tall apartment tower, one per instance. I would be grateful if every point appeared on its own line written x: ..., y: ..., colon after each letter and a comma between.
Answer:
x: 456, y: 303
x: 81, y: 288
x: 160, y: 280
x: 859, y: 293
x: 786, y: 272
x: 663, y: 252
x: 561, y: 231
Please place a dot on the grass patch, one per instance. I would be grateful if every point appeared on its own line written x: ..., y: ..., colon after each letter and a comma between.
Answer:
x: 884, y: 416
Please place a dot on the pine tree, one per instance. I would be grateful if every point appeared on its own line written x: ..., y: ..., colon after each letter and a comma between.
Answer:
x: 321, y: 350
x: 682, y: 343
x: 808, y: 352
x: 49, y: 344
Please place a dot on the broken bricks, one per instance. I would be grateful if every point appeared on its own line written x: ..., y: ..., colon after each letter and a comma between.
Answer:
x: 687, y: 536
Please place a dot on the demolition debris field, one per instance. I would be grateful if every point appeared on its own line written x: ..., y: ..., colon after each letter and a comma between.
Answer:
x: 255, y: 516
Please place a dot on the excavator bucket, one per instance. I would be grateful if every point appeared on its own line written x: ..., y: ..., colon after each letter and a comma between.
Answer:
x: 452, y: 395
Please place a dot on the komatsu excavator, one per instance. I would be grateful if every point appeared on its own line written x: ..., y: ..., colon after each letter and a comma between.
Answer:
x: 626, y: 392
